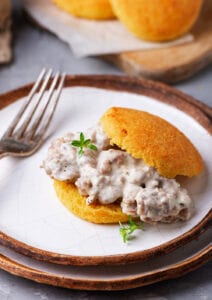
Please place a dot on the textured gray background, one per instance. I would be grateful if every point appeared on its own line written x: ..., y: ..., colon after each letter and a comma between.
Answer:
x: 34, y: 49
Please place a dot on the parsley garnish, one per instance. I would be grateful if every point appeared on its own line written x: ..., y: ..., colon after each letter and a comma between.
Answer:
x: 127, y: 230
x: 82, y: 143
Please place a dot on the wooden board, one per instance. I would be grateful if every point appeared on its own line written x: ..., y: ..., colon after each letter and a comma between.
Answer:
x: 5, y: 32
x: 175, y: 63
x: 5, y: 46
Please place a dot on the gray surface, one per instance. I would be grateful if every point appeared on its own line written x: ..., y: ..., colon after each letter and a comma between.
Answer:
x: 34, y: 49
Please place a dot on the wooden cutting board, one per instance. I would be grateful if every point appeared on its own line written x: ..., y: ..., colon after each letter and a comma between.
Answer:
x: 5, y: 46
x: 175, y: 63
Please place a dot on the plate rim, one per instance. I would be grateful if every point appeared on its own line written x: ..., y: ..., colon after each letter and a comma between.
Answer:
x: 160, y: 92
x: 175, y: 270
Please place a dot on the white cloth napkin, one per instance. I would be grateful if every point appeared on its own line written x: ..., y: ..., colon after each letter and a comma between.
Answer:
x: 86, y: 37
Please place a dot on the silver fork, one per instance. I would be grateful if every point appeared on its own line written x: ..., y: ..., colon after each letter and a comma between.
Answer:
x: 25, y: 134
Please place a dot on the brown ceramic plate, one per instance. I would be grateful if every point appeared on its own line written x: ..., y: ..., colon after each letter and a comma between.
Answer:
x: 32, y: 220
x: 175, y: 264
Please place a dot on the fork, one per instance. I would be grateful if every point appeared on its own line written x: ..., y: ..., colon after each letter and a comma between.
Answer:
x: 25, y: 134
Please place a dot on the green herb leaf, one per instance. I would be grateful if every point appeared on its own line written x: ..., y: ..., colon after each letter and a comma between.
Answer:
x: 127, y: 230
x: 80, y: 152
x: 92, y: 147
x: 75, y: 143
x: 82, y: 138
x: 87, y: 142
x: 82, y: 143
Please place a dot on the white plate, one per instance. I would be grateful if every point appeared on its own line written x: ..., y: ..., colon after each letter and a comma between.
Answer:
x: 31, y: 213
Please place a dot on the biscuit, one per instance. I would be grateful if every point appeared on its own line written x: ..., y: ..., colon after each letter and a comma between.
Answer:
x: 157, y: 20
x: 95, y: 213
x: 89, y: 9
x: 151, y: 138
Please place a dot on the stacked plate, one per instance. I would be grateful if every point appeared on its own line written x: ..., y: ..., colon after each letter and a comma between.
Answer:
x: 42, y: 241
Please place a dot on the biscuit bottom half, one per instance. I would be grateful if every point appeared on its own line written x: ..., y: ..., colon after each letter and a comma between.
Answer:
x: 95, y: 213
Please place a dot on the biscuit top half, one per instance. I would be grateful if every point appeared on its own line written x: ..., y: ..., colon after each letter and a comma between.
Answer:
x: 151, y: 138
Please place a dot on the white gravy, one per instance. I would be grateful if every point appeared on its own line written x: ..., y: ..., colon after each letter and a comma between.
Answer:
x: 110, y: 174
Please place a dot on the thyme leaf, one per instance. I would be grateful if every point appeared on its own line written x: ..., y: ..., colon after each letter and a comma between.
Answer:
x: 83, y: 143
x: 127, y: 230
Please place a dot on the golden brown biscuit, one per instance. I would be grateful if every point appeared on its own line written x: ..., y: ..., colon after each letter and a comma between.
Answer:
x: 144, y: 136
x: 89, y: 9
x: 151, y: 138
x: 74, y: 202
x: 157, y: 20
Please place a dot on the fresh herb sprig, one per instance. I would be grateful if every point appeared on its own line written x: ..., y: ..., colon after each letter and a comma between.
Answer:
x: 127, y: 230
x: 83, y: 143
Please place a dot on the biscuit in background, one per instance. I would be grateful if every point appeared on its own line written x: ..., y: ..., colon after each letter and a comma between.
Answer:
x: 89, y: 9
x: 157, y: 20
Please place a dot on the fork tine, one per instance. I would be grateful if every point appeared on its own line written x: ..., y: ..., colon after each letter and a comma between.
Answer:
x: 24, y: 126
x: 12, y: 126
x: 51, y: 112
x: 36, y: 123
